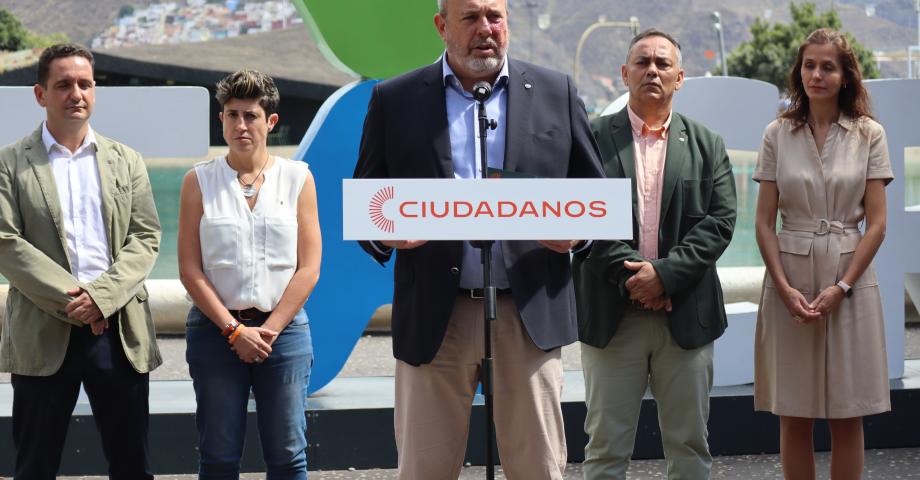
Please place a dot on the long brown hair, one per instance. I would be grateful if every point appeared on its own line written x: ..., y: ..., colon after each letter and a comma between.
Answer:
x: 852, y: 99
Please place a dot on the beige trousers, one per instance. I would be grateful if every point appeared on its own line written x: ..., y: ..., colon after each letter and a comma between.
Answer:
x: 433, y: 401
x: 643, y: 354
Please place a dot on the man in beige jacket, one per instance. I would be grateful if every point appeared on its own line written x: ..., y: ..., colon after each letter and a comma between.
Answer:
x: 79, y: 234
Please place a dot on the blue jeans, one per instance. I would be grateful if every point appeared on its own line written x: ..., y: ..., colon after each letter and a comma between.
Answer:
x: 222, y: 384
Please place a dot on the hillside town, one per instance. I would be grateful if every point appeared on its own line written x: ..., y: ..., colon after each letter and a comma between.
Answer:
x: 195, y: 21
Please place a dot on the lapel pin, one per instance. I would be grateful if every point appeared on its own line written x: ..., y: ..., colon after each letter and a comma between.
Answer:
x: 527, y: 86
x: 682, y: 139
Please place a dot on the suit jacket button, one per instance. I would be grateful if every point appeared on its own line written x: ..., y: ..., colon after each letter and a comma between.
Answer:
x: 454, y: 271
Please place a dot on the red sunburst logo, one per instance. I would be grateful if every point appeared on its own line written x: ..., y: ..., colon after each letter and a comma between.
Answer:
x: 376, y: 209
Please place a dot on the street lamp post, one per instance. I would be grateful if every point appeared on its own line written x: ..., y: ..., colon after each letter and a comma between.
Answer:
x: 717, y: 25
x: 602, y: 22
x: 914, y: 48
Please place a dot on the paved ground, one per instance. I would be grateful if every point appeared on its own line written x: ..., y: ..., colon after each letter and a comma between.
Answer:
x: 372, y: 357
x: 880, y: 465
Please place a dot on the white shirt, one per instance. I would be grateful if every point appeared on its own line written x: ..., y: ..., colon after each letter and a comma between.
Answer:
x: 249, y: 255
x: 77, y: 178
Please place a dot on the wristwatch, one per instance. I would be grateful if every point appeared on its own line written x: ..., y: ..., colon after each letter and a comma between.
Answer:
x: 847, y: 290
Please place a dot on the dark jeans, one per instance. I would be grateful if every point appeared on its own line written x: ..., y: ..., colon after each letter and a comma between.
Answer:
x: 42, y: 407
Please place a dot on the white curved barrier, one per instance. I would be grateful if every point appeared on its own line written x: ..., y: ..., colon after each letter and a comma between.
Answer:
x: 169, y: 304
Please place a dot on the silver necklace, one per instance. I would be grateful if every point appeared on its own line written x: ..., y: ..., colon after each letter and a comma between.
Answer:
x: 249, y: 189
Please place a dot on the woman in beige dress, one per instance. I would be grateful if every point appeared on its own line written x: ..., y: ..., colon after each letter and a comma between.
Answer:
x: 820, y: 345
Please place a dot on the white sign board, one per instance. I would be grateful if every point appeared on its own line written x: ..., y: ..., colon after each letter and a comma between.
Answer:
x: 155, y: 121
x: 491, y: 209
x: 896, y: 103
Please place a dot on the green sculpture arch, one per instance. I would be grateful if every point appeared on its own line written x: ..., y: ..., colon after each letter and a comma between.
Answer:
x: 374, y: 38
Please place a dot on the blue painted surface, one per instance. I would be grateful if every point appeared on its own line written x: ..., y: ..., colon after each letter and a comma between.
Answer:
x: 351, y: 284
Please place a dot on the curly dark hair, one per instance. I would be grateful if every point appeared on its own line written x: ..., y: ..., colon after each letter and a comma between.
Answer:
x: 853, y: 99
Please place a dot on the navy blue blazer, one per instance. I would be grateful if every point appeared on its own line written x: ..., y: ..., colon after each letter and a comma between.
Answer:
x: 548, y: 136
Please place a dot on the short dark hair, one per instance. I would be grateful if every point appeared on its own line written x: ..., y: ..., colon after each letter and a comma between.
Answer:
x: 60, y: 50
x: 654, y: 32
x: 249, y: 84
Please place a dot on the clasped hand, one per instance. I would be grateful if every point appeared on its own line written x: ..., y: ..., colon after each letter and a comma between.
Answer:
x: 403, y: 244
x: 804, y: 312
x: 645, y: 287
x: 84, y: 309
x: 254, y: 344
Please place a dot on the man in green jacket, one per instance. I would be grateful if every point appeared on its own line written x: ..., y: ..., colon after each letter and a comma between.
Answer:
x: 650, y: 308
x: 79, y: 234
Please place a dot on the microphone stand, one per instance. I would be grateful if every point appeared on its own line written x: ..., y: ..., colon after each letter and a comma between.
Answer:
x: 481, y: 93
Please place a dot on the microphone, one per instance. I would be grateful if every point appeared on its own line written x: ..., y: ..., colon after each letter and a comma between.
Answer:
x: 482, y: 91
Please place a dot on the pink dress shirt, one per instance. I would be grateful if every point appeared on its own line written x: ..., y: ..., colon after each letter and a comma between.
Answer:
x: 651, y: 149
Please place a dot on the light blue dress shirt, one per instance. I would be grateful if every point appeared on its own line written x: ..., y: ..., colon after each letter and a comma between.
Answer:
x: 463, y: 125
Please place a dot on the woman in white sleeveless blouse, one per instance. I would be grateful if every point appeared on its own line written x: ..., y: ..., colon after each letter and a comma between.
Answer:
x: 249, y: 256
x: 820, y: 343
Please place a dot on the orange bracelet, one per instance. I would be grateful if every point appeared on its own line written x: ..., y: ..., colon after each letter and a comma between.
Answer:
x: 236, y: 333
x: 230, y: 328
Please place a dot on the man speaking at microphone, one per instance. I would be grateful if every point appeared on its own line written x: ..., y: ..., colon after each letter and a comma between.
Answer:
x: 424, y: 125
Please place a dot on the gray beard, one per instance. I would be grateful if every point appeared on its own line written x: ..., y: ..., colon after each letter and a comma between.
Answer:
x: 482, y: 65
